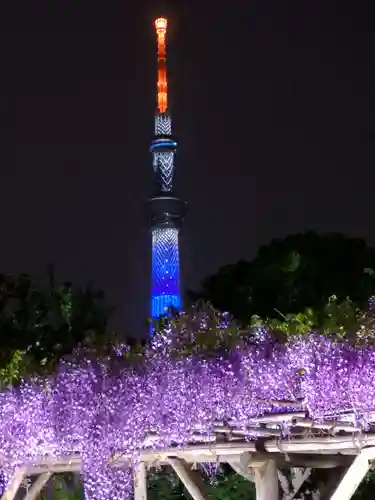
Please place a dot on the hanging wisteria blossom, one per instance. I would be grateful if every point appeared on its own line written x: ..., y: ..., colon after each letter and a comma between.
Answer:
x: 98, y: 407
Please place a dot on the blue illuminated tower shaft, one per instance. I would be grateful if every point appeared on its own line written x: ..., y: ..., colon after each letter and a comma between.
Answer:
x: 166, y: 209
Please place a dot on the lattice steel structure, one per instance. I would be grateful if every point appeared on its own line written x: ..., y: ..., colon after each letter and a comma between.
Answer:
x: 167, y: 210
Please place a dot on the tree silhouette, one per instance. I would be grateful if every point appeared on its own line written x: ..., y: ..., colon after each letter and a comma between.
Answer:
x: 287, y: 276
x: 39, y: 324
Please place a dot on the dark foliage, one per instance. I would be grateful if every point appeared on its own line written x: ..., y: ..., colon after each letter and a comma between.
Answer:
x: 39, y: 324
x: 287, y: 276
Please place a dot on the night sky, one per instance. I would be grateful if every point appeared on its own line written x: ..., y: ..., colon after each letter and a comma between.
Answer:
x: 271, y: 104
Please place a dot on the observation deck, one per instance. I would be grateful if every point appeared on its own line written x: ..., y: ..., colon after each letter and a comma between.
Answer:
x: 163, y: 144
x: 166, y: 211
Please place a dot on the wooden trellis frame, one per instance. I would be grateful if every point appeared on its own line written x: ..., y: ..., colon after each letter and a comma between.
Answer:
x: 339, y: 445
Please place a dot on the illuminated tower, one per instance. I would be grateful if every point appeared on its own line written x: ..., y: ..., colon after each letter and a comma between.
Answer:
x: 167, y: 210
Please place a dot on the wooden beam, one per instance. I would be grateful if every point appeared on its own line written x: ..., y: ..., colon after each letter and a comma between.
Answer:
x: 54, y: 469
x: 266, y: 481
x: 14, y: 484
x: 241, y: 465
x: 315, y: 447
x: 353, y: 476
x: 300, y: 477
x: 37, y: 486
x: 191, y: 479
x: 73, y: 464
x: 284, y: 483
x: 140, y: 482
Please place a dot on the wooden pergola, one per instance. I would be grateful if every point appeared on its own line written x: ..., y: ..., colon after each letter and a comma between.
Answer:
x: 338, y: 445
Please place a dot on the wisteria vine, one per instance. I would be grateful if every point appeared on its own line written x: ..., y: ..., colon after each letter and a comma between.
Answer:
x: 96, y: 407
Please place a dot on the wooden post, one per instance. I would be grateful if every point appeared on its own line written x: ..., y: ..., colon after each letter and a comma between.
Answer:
x: 191, y: 479
x: 266, y: 481
x: 14, y: 484
x: 140, y: 482
x: 37, y: 486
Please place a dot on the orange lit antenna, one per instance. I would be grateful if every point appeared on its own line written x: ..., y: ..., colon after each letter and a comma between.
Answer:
x: 162, y: 85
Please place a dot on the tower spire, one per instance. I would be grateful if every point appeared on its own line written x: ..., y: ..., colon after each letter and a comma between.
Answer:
x: 166, y: 209
x: 161, y: 25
